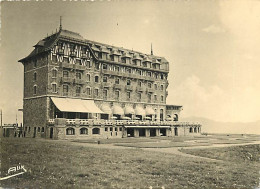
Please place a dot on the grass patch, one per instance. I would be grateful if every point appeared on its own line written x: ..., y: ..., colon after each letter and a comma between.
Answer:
x: 61, y: 164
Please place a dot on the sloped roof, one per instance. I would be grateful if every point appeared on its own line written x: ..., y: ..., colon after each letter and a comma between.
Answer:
x: 48, y: 42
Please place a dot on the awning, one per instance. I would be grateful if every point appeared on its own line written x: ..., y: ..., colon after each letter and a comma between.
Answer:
x: 139, y: 111
x: 129, y: 110
x: 106, y: 109
x: 149, y: 111
x: 118, y: 110
x: 75, y: 105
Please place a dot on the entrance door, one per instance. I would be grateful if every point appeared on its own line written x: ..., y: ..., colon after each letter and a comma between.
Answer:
x: 130, y: 132
x: 176, y: 131
x: 163, y: 132
x: 51, y: 132
x: 142, y: 132
x: 152, y: 132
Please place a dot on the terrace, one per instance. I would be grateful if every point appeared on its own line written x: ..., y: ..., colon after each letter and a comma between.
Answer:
x: 101, y: 122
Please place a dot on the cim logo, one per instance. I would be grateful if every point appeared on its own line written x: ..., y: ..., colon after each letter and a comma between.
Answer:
x: 14, y: 171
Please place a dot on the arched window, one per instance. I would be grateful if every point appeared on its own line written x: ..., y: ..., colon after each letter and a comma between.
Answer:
x: 195, y: 130
x: 96, y: 79
x: 88, y: 77
x: 54, y: 87
x: 34, y: 76
x: 88, y: 91
x: 95, y: 131
x: 78, y: 75
x: 70, y: 131
x: 83, y: 131
x: 191, y: 130
x: 35, y: 89
x: 54, y: 73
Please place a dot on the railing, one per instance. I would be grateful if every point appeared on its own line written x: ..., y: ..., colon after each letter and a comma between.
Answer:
x: 100, y: 122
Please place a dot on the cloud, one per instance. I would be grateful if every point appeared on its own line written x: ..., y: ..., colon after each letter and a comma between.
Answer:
x: 213, y: 29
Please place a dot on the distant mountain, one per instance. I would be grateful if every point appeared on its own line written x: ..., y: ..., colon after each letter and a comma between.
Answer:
x: 211, y: 126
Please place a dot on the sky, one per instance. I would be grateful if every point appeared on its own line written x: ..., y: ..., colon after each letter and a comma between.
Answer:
x: 212, y: 48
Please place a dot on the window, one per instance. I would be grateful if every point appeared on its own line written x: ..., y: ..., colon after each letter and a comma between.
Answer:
x: 65, y: 74
x: 191, y: 130
x: 149, y: 74
x: 140, y: 83
x: 129, y: 70
x: 155, y: 86
x: 149, y: 97
x: 155, y: 98
x: 111, y: 128
x: 104, y: 67
x: 128, y: 95
x: 65, y: 90
x: 95, y: 131
x: 106, y: 128
x: 120, y: 128
x: 88, y: 77
x: 117, y: 81
x: 97, y: 66
x: 139, y: 97
x: 105, y: 79
x: 96, y: 92
x: 117, y: 68
x: 78, y: 75
x: 96, y: 79
x: 162, y: 76
x: 54, y: 87
x: 35, y: 89
x: 115, y: 128
x: 161, y: 87
x: 78, y: 90
x: 88, y: 91
x: 42, y: 129
x: 39, y: 129
x: 105, y: 94
x: 88, y: 64
x: 149, y: 85
x: 83, y: 131
x: 162, y: 99
x: 34, y: 76
x: 128, y: 82
x: 70, y: 131
x: 117, y: 95
x: 54, y: 73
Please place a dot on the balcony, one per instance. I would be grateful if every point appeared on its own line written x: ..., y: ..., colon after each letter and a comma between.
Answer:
x: 107, y: 85
x: 128, y: 87
x: 67, y: 80
x: 149, y: 90
x: 117, y: 86
x: 79, y: 67
x: 73, y: 54
x: 79, y: 81
x: 66, y: 65
x: 140, y: 89
x: 60, y: 52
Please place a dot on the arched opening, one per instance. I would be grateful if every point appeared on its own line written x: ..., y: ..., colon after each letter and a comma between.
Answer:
x: 191, y: 130
x: 83, y: 131
x: 195, y: 130
x: 70, y: 131
x: 176, y: 118
x: 95, y: 131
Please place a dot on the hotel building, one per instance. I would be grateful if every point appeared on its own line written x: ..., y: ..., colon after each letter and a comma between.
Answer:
x: 77, y: 88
